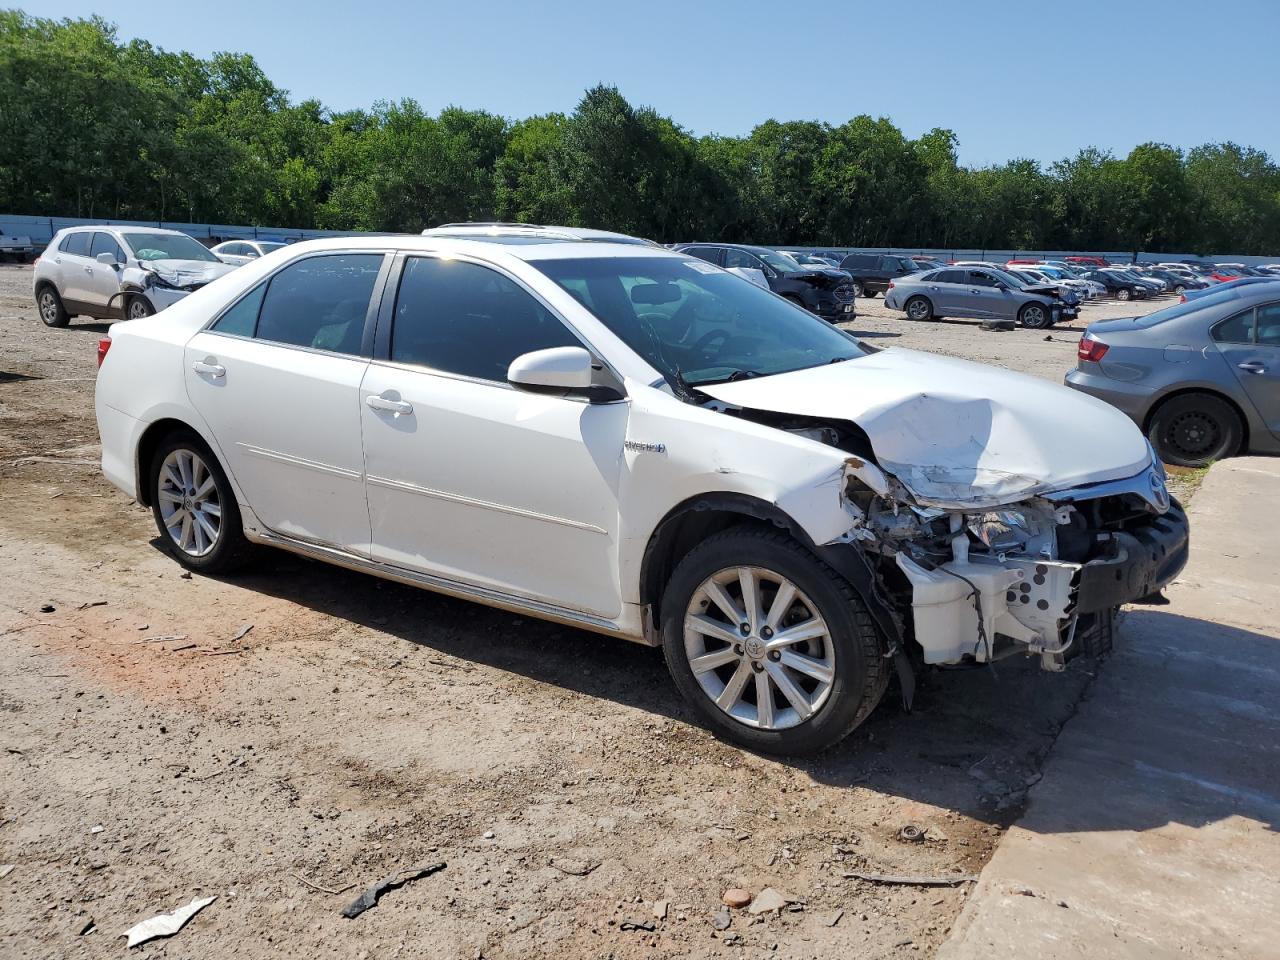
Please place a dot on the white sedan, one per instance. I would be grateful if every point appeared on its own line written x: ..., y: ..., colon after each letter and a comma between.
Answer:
x: 240, y: 252
x: 638, y: 443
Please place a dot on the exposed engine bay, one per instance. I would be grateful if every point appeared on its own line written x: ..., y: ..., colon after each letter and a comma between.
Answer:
x: 971, y: 586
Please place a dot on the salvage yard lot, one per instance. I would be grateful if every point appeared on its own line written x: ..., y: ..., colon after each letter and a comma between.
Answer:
x: 361, y: 727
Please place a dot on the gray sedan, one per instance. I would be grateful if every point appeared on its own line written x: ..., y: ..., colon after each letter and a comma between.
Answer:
x: 981, y: 292
x: 1202, y: 378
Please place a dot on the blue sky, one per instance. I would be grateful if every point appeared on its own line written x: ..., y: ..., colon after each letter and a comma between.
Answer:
x: 1011, y: 79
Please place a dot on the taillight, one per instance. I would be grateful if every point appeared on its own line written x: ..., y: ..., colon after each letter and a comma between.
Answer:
x: 104, y: 345
x: 1091, y: 349
x: 890, y: 287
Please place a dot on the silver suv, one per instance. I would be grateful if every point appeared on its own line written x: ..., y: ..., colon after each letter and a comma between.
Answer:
x: 113, y: 273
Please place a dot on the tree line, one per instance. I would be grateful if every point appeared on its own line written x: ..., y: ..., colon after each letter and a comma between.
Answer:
x: 94, y: 127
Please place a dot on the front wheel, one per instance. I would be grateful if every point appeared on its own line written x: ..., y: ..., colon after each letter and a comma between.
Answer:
x: 1124, y: 293
x: 858, y: 289
x: 194, y: 507
x: 1179, y: 289
x: 772, y: 648
x: 138, y: 308
x: 1035, y: 316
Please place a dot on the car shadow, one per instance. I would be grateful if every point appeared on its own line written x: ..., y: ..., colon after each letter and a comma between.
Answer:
x: 974, y: 742
x: 93, y: 326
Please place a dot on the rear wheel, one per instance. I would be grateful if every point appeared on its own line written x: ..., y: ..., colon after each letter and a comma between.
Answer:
x: 52, y: 312
x: 194, y: 507
x: 1195, y: 429
x: 1124, y: 293
x: 1035, y: 316
x: 771, y: 647
x: 1179, y: 289
x: 919, y: 308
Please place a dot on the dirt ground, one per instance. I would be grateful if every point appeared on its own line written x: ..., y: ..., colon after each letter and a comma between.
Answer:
x: 359, y: 728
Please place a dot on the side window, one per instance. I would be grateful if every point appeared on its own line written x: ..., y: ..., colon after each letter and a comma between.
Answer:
x: 78, y: 243
x: 949, y: 276
x: 106, y: 243
x: 242, y: 319
x: 740, y: 258
x: 709, y: 254
x: 459, y: 317
x: 1268, y: 330
x: 980, y: 279
x: 1237, y: 329
x: 890, y: 265
x: 320, y: 302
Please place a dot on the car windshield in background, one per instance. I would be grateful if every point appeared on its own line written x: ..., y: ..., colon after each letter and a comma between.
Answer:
x: 1014, y: 281
x: 689, y: 319
x: 167, y: 246
x: 779, y: 261
x: 267, y: 246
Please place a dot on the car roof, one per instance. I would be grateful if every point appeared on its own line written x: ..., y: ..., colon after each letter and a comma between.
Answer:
x: 121, y: 226
x: 518, y: 247
x: 502, y: 228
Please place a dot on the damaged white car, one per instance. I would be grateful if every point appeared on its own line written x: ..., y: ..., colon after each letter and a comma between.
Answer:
x: 638, y: 443
x: 115, y: 273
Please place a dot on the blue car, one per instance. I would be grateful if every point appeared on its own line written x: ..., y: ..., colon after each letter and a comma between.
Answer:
x: 1229, y: 285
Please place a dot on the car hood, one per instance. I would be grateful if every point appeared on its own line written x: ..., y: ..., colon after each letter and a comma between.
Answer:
x: 186, y: 273
x: 957, y: 433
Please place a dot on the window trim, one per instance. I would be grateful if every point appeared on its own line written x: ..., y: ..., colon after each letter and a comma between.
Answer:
x: 1253, y: 328
x: 1257, y: 319
x: 386, y: 319
x: 376, y: 297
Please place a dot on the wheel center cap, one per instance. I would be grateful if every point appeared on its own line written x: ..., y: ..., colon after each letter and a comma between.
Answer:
x: 187, y: 504
x: 754, y: 648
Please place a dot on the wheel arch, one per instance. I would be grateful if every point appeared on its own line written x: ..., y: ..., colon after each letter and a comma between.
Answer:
x: 150, y: 440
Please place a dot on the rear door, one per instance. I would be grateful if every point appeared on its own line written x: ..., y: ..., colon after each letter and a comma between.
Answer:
x: 73, y: 267
x: 1250, y: 343
x: 277, y: 378
x: 949, y: 295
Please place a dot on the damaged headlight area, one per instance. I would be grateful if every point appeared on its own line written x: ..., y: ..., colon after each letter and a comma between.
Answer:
x: 978, y: 586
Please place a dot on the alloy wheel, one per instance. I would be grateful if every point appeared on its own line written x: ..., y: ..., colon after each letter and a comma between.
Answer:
x: 48, y: 307
x: 759, y: 648
x: 138, y: 309
x: 918, y: 310
x: 1034, y: 317
x: 190, y: 506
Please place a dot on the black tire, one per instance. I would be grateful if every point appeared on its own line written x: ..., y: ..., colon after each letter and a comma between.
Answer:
x: 870, y: 294
x: 1179, y: 289
x: 923, y: 308
x: 860, y: 673
x: 1195, y: 429
x: 1124, y: 293
x: 230, y: 549
x: 1035, y: 316
x: 49, y: 306
x: 859, y: 290
x: 137, y: 307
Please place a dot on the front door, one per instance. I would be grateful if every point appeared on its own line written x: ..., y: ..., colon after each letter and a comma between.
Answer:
x: 982, y: 298
x: 277, y: 378
x: 103, y: 282
x: 469, y: 478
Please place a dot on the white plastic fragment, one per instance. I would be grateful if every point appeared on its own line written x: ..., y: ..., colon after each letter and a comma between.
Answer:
x: 166, y: 924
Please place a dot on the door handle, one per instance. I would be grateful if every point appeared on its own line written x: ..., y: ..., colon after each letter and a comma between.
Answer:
x: 1252, y: 366
x: 89, y: 271
x: 398, y: 407
x: 215, y: 370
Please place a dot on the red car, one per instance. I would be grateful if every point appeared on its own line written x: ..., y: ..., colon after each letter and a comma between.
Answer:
x: 1028, y: 263
x: 1089, y: 261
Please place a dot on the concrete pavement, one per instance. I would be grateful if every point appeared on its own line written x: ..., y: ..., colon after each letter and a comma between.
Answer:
x: 1155, y: 831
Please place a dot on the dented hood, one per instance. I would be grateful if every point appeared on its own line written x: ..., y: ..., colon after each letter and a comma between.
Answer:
x: 185, y: 273
x: 955, y: 432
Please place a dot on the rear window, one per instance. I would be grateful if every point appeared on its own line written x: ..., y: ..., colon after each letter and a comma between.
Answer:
x: 77, y: 244
x: 1181, y: 309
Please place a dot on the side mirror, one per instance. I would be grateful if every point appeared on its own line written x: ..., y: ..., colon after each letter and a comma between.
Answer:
x: 559, y: 370
x: 107, y: 259
x: 1001, y: 286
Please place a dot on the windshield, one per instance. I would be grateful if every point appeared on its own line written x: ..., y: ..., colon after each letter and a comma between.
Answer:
x: 779, y: 261
x: 167, y: 246
x: 689, y: 319
x: 1052, y: 272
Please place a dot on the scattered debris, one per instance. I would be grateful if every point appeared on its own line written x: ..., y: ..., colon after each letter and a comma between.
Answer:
x: 85, y: 927
x: 575, y: 868
x: 6, y: 869
x: 721, y: 919
x: 47, y: 608
x: 997, y: 325
x: 221, y: 653
x: 630, y: 924
x: 169, y: 638
x: 935, y: 835
x: 188, y: 646
x: 736, y: 897
x: 370, y: 897
x: 661, y: 908
x: 488, y: 835
x: 97, y: 828
x: 893, y: 879
x: 186, y: 575
x: 1063, y: 905
x: 833, y: 919
x: 770, y: 899
x: 166, y: 924
x: 911, y: 833
x: 91, y: 603
x: 302, y: 879
x: 242, y: 633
